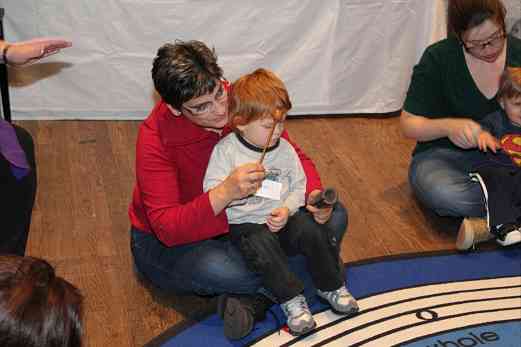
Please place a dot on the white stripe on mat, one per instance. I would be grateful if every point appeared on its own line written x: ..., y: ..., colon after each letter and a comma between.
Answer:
x: 408, y: 313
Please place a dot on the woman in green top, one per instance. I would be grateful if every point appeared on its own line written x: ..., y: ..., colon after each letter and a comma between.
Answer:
x: 453, y: 86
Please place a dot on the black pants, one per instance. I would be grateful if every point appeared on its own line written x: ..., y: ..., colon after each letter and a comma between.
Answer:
x: 17, y: 199
x: 266, y: 253
x: 503, y: 185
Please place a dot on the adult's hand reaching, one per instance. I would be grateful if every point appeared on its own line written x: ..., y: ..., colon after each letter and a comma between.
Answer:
x: 464, y: 133
x: 25, y: 52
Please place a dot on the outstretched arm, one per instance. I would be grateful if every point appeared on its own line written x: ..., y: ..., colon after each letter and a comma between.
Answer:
x: 460, y: 131
x: 24, y: 52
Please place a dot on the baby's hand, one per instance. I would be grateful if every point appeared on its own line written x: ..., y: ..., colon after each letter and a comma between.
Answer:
x: 486, y: 140
x: 320, y: 215
x: 278, y: 219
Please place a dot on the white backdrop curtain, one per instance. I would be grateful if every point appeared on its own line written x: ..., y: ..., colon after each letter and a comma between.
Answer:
x: 336, y: 56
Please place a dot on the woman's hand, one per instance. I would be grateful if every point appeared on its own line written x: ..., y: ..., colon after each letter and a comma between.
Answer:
x: 24, y: 52
x: 486, y: 140
x: 244, y: 180
x: 320, y: 215
x: 278, y: 219
x: 463, y: 132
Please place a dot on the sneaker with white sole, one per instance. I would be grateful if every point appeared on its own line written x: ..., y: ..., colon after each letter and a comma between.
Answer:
x: 507, y: 234
x: 471, y: 232
x: 300, y: 320
x: 341, y: 301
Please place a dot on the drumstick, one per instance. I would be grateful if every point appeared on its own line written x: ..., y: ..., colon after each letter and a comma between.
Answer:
x: 268, y: 141
x: 277, y: 117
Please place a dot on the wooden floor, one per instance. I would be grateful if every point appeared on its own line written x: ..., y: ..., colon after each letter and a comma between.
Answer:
x: 86, y: 174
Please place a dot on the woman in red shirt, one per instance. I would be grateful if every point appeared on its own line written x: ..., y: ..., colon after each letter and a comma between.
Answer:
x: 179, y: 233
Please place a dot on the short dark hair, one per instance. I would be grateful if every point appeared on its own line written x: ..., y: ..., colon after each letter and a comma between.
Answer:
x: 467, y: 14
x: 185, y: 70
x: 37, y: 308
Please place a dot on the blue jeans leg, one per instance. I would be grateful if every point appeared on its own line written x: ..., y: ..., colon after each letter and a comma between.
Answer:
x: 440, y: 179
x: 209, y: 267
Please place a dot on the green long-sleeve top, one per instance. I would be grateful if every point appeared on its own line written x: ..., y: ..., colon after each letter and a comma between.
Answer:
x: 442, y: 86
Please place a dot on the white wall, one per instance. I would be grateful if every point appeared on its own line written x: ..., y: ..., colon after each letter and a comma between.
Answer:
x: 513, y: 14
x: 336, y: 56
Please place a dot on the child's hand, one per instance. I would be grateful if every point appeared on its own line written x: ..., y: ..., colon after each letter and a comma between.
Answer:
x: 278, y: 219
x: 486, y: 140
x: 320, y: 215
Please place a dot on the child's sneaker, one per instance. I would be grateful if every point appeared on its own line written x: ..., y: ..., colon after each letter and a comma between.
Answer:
x: 341, y: 301
x: 300, y: 319
x: 471, y: 232
x: 507, y: 234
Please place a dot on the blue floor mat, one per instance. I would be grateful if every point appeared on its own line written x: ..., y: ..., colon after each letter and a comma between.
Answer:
x: 436, y: 299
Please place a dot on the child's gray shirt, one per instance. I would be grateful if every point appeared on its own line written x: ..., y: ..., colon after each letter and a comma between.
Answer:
x: 282, y: 165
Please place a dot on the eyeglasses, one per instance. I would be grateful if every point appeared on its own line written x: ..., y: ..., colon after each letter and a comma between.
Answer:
x: 209, y: 107
x: 476, y: 47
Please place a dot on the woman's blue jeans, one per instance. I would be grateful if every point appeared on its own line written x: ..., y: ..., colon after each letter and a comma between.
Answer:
x: 209, y: 267
x: 440, y: 179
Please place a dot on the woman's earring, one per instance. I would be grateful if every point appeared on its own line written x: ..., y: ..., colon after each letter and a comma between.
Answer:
x: 174, y: 111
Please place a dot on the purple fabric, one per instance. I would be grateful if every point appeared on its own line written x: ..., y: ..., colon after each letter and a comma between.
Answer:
x: 12, y: 151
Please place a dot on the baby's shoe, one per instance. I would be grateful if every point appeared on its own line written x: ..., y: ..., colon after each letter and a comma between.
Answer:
x: 300, y: 319
x: 471, y: 232
x: 507, y: 234
x: 341, y: 301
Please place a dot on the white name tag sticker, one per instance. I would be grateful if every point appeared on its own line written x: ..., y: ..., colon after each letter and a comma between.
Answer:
x: 270, y: 190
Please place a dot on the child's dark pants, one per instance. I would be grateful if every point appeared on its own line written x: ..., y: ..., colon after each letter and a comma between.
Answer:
x: 266, y: 253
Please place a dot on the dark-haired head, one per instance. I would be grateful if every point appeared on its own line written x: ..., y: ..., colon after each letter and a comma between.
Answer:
x: 467, y: 14
x: 37, y: 308
x: 185, y: 70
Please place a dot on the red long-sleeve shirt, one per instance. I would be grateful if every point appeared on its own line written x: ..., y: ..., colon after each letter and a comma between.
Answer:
x: 172, y: 154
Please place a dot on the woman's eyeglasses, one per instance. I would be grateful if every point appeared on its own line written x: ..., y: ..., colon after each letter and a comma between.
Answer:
x: 209, y: 107
x: 476, y: 47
